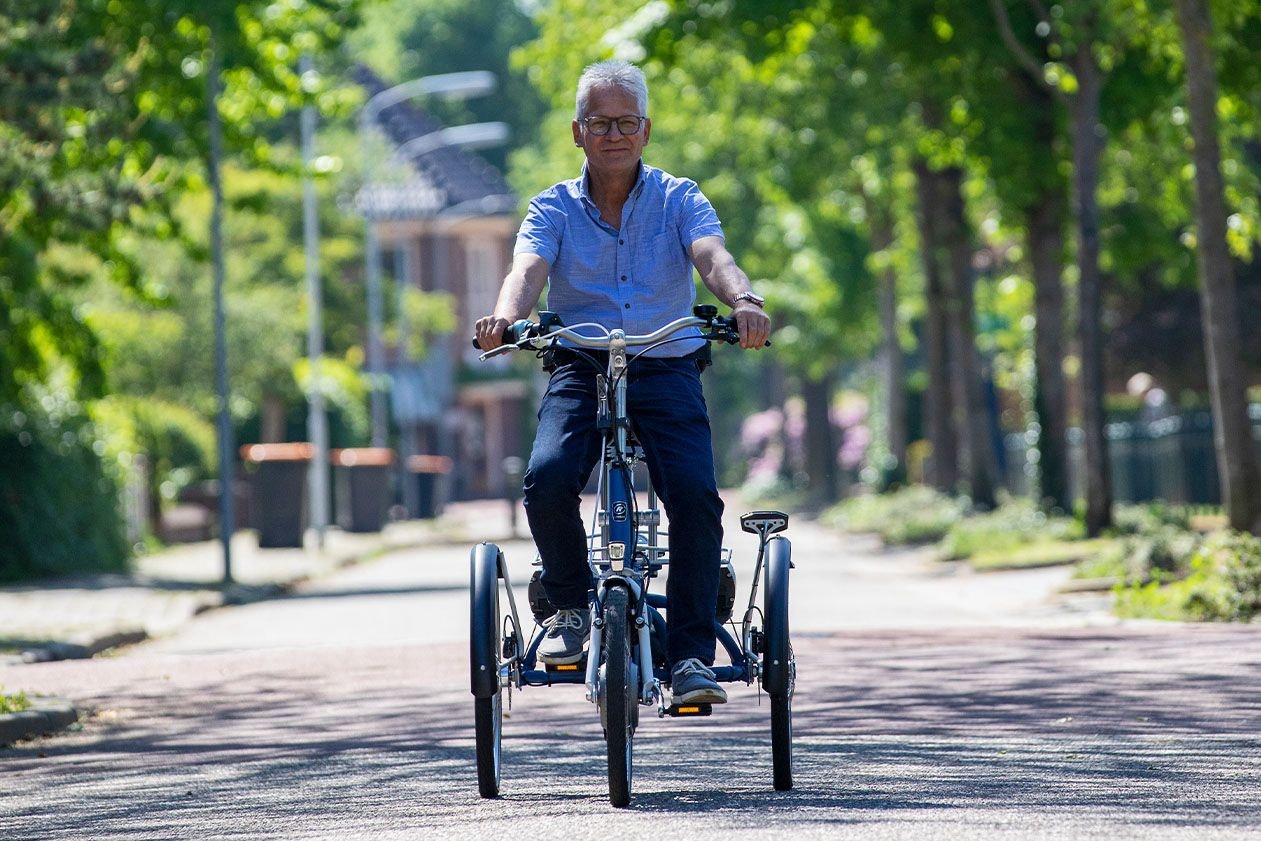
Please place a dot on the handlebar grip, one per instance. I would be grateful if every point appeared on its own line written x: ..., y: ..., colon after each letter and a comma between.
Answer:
x: 514, y: 332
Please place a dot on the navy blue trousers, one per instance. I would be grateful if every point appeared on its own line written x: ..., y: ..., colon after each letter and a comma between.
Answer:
x: 667, y: 409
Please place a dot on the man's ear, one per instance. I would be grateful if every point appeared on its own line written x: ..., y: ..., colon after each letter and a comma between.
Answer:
x: 577, y: 127
x: 647, y: 130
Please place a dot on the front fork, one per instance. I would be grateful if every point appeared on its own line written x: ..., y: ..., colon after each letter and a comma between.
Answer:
x: 649, y: 687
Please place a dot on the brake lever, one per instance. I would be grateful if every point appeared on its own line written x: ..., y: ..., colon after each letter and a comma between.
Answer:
x: 493, y: 352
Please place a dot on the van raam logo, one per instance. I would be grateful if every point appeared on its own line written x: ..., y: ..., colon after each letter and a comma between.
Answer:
x: 619, y: 512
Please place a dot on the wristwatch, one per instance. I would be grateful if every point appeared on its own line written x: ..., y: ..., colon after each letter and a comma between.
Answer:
x: 752, y: 297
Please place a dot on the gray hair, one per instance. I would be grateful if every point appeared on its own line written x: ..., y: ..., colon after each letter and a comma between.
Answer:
x: 614, y: 73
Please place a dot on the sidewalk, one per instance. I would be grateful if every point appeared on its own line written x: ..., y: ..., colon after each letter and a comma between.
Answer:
x: 79, y: 617
x: 82, y: 616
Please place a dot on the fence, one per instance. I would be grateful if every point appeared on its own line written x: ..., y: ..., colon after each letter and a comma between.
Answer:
x: 1170, y: 459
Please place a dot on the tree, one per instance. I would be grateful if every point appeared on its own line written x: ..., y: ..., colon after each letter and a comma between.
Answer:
x: 1236, y: 451
x: 1079, y: 40
x: 102, y: 126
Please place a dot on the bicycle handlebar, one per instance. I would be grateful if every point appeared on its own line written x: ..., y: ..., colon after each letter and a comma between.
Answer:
x: 548, y: 329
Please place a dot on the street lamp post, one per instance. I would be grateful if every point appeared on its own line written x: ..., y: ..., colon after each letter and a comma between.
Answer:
x: 449, y: 85
x: 317, y: 418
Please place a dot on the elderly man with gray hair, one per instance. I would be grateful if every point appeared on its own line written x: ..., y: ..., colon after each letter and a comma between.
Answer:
x: 616, y: 246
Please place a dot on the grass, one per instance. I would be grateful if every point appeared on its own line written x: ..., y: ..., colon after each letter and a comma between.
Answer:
x: 1040, y: 554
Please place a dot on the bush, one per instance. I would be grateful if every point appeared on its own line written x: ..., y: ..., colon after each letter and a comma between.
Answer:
x: 1223, y: 585
x: 1010, y: 526
x: 58, y: 505
x: 915, y: 514
x: 178, y: 443
x: 1148, y: 518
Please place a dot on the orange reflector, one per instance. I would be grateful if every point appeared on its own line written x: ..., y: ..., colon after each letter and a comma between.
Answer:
x: 566, y: 667
x: 686, y: 710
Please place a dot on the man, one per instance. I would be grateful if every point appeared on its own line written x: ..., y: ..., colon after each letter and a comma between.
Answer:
x: 618, y: 245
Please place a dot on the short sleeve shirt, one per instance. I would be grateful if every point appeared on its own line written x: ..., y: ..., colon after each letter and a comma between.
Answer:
x: 636, y: 278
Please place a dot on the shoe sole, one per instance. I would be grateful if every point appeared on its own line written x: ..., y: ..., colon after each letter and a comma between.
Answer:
x: 563, y: 659
x: 701, y: 696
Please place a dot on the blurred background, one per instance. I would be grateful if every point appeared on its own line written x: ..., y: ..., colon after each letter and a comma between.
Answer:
x: 1009, y: 247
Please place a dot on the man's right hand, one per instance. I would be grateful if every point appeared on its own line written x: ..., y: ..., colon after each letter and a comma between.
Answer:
x: 489, y: 331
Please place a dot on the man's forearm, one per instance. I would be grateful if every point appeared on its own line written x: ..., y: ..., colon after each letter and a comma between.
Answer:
x: 517, y: 297
x: 522, y: 287
x: 720, y: 273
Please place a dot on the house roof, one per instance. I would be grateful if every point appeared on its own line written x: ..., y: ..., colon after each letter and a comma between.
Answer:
x: 445, y: 181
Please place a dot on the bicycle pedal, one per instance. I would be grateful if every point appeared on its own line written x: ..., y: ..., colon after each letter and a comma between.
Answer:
x: 689, y: 710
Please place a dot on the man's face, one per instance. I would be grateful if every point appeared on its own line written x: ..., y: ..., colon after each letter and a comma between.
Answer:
x: 612, y: 152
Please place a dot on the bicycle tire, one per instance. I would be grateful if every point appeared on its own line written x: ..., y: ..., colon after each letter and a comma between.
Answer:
x: 618, y: 697
x: 484, y: 645
x: 488, y: 723
x: 780, y: 669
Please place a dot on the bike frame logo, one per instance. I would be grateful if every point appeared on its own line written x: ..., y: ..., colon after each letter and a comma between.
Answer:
x: 619, y: 512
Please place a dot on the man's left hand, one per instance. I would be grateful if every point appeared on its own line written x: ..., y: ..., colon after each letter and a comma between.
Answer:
x: 753, y: 323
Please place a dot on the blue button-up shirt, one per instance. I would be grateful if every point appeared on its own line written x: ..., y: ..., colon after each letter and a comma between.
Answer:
x: 635, y: 278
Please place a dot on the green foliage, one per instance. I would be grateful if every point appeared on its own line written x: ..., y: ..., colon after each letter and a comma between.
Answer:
x: 177, y: 443
x: 342, y: 385
x: 915, y: 514
x: 1014, y: 524
x: 1223, y: 585
x: 102, y: 107
x: 1132, y: 519
x: 406, y: 39
x: 13, y: 702
x: 58, y: 503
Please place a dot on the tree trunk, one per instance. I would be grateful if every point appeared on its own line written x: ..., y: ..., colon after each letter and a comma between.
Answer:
x: 1237, y: 464
x: 979, y: 463
x: 822, y: 471
x: 1043, y: 223
x: 892, y: 363
x: 943, y: 465
x: 1087, y: 145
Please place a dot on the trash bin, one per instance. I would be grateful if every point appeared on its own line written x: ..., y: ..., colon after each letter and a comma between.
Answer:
x: 361, y: 477
x: 429, y: 473
x: 280, y: 492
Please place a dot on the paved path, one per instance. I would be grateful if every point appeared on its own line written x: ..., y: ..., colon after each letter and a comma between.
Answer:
x: 933, y: 703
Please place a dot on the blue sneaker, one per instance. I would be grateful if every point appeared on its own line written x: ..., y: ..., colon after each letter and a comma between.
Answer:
x: 567, y: 631
x: 692, y: 682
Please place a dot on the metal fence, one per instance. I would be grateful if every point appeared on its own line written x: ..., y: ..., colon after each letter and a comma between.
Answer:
x: 1169, y: 459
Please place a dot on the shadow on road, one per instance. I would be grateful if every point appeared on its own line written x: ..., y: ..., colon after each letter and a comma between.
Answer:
x: 1146, y: 727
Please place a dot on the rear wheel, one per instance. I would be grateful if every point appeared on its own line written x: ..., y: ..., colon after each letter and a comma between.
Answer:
x: 779, y: 665
x: 484, y: 646
x: 619, y: 695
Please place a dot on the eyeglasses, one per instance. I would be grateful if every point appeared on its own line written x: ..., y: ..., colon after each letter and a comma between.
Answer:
x: 600, y: 126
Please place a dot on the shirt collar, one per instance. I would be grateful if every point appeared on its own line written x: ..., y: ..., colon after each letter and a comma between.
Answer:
x: 584, y: 191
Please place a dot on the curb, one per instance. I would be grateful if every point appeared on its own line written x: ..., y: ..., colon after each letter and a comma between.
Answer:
x: 47, y: 715
x: 83, y: 649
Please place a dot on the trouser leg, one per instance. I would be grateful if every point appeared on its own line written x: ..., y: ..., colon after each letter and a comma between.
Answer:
x: 668, y: 410
x: 565, y: 451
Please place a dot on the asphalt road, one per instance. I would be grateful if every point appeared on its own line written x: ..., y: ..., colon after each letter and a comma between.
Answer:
x: 932, y: 703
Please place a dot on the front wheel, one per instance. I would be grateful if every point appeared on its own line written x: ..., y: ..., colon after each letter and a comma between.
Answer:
x: 780, y: 667
x: 619, y: 695
x: 484, y: 646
